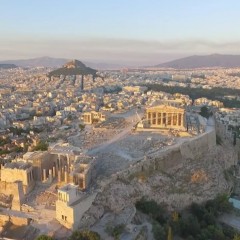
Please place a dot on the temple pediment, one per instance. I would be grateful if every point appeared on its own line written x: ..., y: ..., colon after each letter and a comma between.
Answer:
x: 164, y: 108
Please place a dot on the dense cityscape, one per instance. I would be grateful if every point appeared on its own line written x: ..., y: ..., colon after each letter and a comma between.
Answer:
x: 119, y: 120
x: 85, y: 152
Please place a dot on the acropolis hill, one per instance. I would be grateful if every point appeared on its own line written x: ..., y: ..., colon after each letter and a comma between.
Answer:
x: 190, y: 171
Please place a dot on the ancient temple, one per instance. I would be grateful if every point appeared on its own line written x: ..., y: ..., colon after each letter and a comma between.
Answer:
x: 165, y: 117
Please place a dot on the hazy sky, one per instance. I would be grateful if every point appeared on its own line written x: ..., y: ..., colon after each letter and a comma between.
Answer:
x: 131, y: 31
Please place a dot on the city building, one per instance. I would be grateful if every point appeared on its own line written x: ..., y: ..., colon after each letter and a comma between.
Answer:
x: 72, y: 203
x: 93, y: 117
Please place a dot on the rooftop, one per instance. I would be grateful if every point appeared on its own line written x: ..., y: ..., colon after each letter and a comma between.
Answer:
x: 35, y: 155
x: 18, y: 165
x: 60, y: 149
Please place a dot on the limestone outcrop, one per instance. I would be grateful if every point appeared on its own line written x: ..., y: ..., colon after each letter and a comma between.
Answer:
x: 177, y: 177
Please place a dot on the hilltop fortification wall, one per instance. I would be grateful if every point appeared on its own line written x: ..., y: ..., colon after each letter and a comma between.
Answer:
x: 15, y: 190
x: 192, y: 148
x: 191, y: 170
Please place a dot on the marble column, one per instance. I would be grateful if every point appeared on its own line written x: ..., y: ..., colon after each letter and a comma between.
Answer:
x: 68, y: 162
x: 162, y: 119
x: 182, y: 121
x: 54, y: 171
x: 66, y: 176
x: 44, y: 175
x: 179, y: 119
x: 50, y: 176
x: 59, y: 176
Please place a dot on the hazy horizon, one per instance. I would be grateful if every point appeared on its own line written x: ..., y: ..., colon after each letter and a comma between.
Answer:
x: 133, y: 32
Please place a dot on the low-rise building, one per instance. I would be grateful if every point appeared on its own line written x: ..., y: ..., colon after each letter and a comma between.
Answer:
x: 71, y: 205
x: 135, y: 89
x: 93, y: 117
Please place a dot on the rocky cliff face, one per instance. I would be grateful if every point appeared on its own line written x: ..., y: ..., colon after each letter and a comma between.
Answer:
x: 197, y: 179
x: 192, y: 180
x: 194, y: 170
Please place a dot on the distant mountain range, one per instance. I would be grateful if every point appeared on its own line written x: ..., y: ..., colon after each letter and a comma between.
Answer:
x: 7, y: 66
x: 38, y: 62
x: 55, y: 63
x: 207, y: 61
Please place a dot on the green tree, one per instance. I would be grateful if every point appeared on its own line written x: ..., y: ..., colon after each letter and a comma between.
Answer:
x: 44, y: 237
x: 41, y: 146
x: 155, y: 210
x: 69, y: 117
x: 115, y: 231
x: 205, y: 112
x: 236, y: 237
x: 4, y: 141
x: 216, y: 233
x: 219, y: 205
x: 81, y: 126
x: 158, y: 231
x: 18, y: 149
x: 223, y: 204
x: 190, y: 238
x: 189, y: 226
x: 197, y: 210
x: 84, y: 235
x: 3, y: 152
x: 229, y: 232
x: 209, y: 218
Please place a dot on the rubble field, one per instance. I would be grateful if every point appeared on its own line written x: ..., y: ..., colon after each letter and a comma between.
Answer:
x: 134, y: 147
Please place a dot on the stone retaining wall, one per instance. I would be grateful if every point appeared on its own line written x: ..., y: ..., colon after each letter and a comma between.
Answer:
x: 192, y: 148
x: 15, y: 190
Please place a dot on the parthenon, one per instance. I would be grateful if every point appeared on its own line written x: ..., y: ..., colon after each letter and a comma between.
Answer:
x: 167, y: 117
